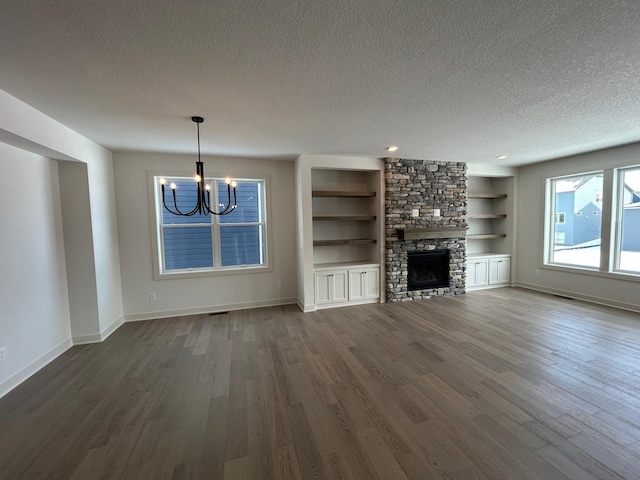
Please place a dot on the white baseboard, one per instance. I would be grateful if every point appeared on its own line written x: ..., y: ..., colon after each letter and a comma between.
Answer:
x: 307, y: 308
x: 607, y: 302
x: 97, y: 338
x: 111, y: 328
x: 39, y: 363
x: 211, y: 309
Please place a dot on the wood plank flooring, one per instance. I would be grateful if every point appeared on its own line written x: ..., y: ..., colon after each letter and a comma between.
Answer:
x: 495, y: 384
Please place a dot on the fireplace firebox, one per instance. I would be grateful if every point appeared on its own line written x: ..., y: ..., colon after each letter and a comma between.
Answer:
x: 427, y: 270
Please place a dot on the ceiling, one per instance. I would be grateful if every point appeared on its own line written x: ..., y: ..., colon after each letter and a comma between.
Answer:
x: 454, y: 80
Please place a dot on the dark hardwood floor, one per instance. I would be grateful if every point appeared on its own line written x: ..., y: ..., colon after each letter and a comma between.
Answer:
x: 496, y: 384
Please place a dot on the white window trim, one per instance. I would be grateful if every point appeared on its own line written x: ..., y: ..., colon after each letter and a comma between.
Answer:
x: 156, y: 239
x: 611, y: 227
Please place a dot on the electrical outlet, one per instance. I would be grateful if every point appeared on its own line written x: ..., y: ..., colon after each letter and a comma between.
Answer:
x: 279, y: 284
x: 415, y: 212
x: 3, y: 354
x: 436, y: 212
x: 152, y: 297
x: 537, y: 272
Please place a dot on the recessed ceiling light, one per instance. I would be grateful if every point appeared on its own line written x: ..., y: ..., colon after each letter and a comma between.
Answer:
x: 501, y: 157
x: 392, y: 148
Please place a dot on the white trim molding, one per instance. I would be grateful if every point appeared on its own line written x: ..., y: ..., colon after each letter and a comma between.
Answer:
x: 39, y: 363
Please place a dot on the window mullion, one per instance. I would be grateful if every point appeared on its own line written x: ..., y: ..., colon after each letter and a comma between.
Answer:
x: 608, y: 233
x: 215, y: 225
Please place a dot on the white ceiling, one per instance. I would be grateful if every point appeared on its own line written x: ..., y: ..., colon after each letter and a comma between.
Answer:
x: 459, y: 80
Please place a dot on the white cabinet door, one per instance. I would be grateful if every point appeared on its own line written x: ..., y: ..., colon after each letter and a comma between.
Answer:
x: 477, y: 272
x: 331, y: 286
x: 364, y: 283
x: 357, y: 281
x: 339, y: 287
x: 323, y: 287
x: 372, y: 283
x: 499, y: 271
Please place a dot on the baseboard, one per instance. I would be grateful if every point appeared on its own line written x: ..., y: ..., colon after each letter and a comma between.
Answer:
x: 16, y: 379
x: 111, y: 328
x: 307, y: 308
x: 85, y: 339
x: 211, y: 309
x: 607, y: 302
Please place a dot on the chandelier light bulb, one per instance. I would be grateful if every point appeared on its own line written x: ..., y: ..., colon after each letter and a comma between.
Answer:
x: 234, y: 184
x: 198, y: 178
x: 207, y: 187
x: 163, y: 181
x: 173, y: 186
x: 228, y: 180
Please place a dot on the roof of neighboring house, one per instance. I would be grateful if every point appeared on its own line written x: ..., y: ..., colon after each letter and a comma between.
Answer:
x: 571, y: 185
x: 632, y: 206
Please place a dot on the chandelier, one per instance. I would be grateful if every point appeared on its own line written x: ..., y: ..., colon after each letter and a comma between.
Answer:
x: 203, y: 201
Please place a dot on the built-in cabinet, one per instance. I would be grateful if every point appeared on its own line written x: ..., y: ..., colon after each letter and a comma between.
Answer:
x: 346, y: 284
x: 490, y: 242
x: 488, y: 270
x: 331, y: 286
x: 341, y: 230
x: 346, y: 225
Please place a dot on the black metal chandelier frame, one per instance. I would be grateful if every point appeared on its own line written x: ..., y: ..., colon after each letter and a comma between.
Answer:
x: 203, y: 200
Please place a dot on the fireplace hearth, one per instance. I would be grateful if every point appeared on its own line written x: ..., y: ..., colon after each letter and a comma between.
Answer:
x: 426, y: 270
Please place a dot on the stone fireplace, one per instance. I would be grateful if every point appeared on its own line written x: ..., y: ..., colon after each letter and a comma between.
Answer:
x: 426, y: 186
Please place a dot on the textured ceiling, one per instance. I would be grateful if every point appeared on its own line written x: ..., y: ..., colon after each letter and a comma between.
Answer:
x: 445, y: 80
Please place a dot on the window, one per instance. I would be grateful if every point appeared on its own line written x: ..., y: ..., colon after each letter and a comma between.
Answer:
x: 627, y: 247
x: 575, y: 238
x: 202, y: 243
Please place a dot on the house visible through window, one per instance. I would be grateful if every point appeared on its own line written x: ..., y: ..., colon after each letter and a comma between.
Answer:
x: 576, y: 236
x: 575, y: 239
x: 205, y: 242
x: 627, y: 247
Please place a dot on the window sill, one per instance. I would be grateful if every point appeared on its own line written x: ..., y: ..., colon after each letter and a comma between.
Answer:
x: 213, y: 273
x: 628, y: 277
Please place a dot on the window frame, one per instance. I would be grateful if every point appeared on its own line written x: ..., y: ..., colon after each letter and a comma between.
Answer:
x: 618, y: 213
x: 155, y: 202
x: 550, y: 227
x: 611, y: 226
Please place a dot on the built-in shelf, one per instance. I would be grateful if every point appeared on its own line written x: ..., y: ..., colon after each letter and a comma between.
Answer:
x: 486, y: 195
x: 343, y: 217
x: 487, y: 215
x: 351, y: 241
x: 483, y: 236
x: 341, y: 193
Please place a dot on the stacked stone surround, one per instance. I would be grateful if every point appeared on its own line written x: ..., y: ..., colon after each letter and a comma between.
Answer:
x: 425, y: 185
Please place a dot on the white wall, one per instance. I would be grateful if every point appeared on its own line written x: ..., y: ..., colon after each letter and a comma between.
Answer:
x: 79, y: 253
x: 598, y: 287
x: 34, y: 318
x: 209, y: 293
x: 70, y: 294
x: 30, y: 130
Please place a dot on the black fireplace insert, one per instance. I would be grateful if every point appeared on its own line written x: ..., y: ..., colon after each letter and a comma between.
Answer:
x: 429, y: 269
